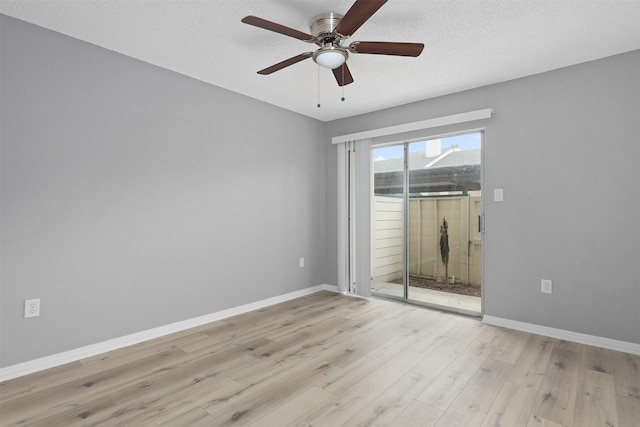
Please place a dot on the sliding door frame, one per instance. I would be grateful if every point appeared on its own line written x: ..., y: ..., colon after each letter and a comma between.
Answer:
x: 354, y: 200
x: 406, y: 169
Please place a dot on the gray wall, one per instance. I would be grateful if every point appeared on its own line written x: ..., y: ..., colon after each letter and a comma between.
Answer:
x: 134, y: 197
x: 564, y: 146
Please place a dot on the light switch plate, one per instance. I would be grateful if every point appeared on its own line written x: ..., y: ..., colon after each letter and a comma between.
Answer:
x: 498, y: 194
x: 546, y: 286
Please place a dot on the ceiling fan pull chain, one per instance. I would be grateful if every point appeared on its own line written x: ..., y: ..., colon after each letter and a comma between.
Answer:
x: 342, y: 99
x: 318, y: 86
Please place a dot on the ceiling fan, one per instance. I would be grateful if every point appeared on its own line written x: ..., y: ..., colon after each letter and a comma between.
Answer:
x: 328, y: 31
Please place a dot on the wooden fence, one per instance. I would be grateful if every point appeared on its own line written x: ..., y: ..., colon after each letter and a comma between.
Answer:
x: 425, y: 219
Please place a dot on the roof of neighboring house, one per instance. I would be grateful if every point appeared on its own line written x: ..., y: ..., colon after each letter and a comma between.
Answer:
x: 452, y: 170
x: 459, y: 158
x: 418, y: 160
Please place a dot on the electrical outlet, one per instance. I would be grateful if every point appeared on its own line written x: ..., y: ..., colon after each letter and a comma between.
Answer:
x: 31, y: 308
x: 546, y: 286
x: 301, y: 262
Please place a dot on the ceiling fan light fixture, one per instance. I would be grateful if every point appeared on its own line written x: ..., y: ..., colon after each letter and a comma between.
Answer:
x: 330, y: 57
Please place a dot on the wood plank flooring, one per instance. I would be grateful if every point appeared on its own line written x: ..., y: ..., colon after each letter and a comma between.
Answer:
x: 334, y: 360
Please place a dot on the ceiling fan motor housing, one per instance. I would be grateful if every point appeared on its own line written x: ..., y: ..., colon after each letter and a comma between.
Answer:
x: 323, y: 30
x: 322, y: 27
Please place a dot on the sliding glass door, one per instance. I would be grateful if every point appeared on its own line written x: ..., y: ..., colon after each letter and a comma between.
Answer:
x: 426, y: 206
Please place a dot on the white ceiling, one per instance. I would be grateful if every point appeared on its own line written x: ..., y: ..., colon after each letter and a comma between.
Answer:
x: 468, y: 43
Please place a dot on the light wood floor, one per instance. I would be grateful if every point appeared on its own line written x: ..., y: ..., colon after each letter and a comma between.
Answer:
x: 331, y: 360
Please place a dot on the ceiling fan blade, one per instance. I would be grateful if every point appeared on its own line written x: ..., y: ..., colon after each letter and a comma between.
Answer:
x: 387, y: 48
x: 286, y: 63
x: 357, y: 15
x: 272, y: 26
x: 343, y: 75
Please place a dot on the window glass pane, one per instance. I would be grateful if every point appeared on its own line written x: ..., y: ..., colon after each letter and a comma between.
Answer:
x: 387, y: 243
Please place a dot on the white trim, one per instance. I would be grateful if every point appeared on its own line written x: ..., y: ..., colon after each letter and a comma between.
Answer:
x: 47, y: 362
x: 423, y: 124
x: 623, y: 346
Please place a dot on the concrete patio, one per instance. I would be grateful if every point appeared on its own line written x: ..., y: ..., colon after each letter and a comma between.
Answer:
x: 463, y: 304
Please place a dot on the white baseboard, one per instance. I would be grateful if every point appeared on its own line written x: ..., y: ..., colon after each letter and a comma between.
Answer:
x: 47, y: 362
x: 623, y: 346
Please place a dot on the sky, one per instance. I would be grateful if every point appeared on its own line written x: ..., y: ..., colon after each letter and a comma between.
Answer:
x: 468, y: 141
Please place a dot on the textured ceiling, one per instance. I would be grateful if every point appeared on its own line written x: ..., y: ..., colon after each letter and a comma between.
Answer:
x: 468, y: 43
